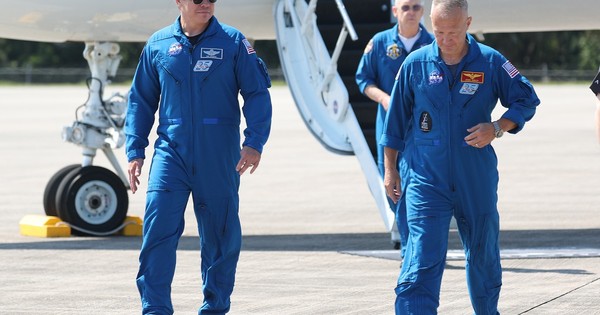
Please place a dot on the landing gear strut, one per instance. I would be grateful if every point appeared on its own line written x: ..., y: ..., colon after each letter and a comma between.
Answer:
x: 91, y: 199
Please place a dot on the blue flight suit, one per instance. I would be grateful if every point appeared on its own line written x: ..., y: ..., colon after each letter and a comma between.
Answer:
x: 378, y: 66
x: 195, y: 90
x: 448, y: 177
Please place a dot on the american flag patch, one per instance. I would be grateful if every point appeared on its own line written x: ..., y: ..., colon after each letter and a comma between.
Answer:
x: 249, y: 48
x: 510, y: 69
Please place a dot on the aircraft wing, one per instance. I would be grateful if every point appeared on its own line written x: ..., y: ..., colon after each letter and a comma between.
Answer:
x: 505, y: 16
x: 118, y: 20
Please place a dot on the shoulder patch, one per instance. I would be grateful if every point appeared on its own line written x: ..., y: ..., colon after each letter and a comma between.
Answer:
x: 249, y: 48
x: 510, y: 69
x: 369, y: 47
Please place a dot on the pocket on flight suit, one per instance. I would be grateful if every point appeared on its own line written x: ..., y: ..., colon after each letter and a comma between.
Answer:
x: 218, y: 219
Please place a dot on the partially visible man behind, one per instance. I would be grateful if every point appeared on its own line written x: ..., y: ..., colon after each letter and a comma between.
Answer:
x: 446, y: 93
x: 378, y: 67
x: 192, y: 72
x: 595, y: 87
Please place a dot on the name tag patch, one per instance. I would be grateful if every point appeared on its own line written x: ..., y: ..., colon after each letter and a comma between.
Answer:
x: 469, y: 88
x: 203, y: 65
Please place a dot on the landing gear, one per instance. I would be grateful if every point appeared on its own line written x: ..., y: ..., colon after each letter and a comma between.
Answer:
x: 52, y: 187
x: 93, y: 200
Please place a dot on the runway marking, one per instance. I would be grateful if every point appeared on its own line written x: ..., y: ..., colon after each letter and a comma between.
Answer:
x: 525, y: 253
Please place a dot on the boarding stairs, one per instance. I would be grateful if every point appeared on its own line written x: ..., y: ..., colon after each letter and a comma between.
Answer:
x: 319, y: 64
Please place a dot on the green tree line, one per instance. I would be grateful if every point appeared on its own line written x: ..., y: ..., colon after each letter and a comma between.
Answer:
x: 576, y: 50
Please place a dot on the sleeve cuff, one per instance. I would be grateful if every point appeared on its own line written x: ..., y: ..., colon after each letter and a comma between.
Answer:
x: 135, y: 154
x: 392, y: 142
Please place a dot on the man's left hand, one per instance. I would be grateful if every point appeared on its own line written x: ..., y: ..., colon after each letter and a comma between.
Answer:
x: 480, y: 135
x: 250, y: 158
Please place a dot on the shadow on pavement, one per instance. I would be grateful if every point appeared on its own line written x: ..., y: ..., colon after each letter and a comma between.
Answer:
x: 586, y: 238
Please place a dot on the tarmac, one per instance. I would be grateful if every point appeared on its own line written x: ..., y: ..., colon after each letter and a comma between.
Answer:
x: 313, y: 239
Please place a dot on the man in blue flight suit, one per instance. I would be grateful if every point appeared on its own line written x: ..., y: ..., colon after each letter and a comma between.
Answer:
x: 447, y: 92
x: 375, y: 75
x: 192, y: 72
x: 595, y: 87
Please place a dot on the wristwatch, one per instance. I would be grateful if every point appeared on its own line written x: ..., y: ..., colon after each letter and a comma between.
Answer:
x: 498, y: 132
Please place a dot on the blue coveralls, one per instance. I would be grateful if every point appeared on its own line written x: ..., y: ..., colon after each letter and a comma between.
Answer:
x: 448, y: 177
x: 195, y: 90
x: 379, y: 66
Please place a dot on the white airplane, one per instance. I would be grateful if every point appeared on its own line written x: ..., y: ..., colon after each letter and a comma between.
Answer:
x: 94, y: 200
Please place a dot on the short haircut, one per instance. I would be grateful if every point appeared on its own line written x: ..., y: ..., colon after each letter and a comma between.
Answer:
x: 446, y: 6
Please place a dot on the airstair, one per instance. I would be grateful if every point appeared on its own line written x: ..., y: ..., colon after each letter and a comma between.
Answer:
x: 319, y: 63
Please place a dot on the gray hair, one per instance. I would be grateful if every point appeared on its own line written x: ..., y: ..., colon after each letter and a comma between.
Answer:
x: 446, y: 6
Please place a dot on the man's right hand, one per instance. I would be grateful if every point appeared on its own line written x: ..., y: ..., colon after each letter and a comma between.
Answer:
x: 391, y: 181
x: 135, y: 170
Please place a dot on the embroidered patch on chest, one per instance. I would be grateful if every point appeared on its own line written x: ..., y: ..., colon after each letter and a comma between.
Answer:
x: 175, y: 49
x: 435, y: 77
x: 469, y: 88
x: 211, y: 53
x: 425, y: 122
x: 393, y: 51
x: 472, y: 77
x: 203, y: 65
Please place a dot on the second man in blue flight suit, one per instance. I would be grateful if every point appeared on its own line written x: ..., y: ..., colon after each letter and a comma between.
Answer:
x: 377, y: 70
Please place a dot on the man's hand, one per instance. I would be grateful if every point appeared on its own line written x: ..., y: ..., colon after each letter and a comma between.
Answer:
x: 135, y: 170
x: 391, y: 181
x: 249, y: 158
x: 480, y: 135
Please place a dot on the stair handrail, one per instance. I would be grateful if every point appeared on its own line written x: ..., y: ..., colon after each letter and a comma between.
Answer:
x: 347, y: 21
x: 308, y: 29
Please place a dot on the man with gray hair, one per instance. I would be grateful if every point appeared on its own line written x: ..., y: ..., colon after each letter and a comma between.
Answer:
x: 442, y: 103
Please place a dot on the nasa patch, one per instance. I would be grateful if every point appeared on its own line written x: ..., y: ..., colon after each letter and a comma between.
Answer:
x: 425, y: 122
x: 435, y: 77
x: 175, y: 49
x: 211, y: 53
x: 203, y: 65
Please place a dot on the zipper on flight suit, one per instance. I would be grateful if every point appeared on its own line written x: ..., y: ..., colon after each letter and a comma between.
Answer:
x: 452, y: 84
x: 192, y: 107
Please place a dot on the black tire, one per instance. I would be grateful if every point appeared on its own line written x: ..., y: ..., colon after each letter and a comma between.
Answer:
x: 92, y: 198
x: 52, y: 187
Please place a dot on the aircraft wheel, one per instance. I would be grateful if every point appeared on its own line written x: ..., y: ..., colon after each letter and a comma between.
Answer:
x: 51, y: 188
x: 396, y: 245
x: 92, y: 198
